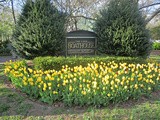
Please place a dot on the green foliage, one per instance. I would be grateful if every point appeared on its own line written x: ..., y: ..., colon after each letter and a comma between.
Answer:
x: 40, y: 30
x: 121, y: 30
x: 4, y: 52
x: 3, y: 44
x: 46, y: 63
x: 156, y: 46
x: 155, y: 32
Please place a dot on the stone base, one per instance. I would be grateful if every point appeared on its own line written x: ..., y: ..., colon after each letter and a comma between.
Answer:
x: 155, y: 52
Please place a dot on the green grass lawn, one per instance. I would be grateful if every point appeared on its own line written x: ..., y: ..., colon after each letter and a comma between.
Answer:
x: 15, y: 105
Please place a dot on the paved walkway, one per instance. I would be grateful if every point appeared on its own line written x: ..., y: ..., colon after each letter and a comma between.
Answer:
x: 3, y: 59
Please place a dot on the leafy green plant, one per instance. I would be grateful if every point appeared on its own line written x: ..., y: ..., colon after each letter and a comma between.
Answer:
x: 156, y: 46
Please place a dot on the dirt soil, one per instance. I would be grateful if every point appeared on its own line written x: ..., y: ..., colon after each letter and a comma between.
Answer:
x: 6, y: 58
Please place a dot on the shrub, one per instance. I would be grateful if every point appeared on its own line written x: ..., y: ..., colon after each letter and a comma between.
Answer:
x: 40, y: 30
x: 121, y: 30
x: 46, y: 63
x: 95, y: 84
x: 156, y: 46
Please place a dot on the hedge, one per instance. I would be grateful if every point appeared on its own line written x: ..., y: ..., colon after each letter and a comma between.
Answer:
x: 46, y: 63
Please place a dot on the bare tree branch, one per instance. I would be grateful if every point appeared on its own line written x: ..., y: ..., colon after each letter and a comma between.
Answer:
x: 149, y: 5
x: 1, y: 5
x: 89, y: 18
x: 152, y: 16
x: 2, y: 0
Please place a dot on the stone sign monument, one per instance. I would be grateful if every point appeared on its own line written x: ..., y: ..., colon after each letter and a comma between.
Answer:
x: 81, y: 42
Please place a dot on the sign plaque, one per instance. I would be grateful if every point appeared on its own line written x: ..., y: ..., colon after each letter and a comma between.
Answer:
x: 81, y: 43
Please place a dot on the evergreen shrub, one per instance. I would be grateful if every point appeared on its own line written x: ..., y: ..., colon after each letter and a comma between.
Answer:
x: 40, y: 30
x: 121, y: 30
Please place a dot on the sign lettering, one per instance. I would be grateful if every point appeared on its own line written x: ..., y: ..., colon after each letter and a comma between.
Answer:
x: 81, y: 46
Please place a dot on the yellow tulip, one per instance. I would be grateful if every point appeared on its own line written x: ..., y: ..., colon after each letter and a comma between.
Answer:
x: 30, y: 70
x: 31, y: 83
x: 80, y: 86
x: 49, y: 84
x: 125, y: 87
x: 39, y: 79
x: 104, y: 88
x: 55, y: 92
x: 58, y: 85
x: 136, y: 86
x: 149, y: 88
x: 39, y: 86
x: 24, y: 83
x: 70, y: 88
x: 44, y: 89
x: 83, y: 92
x: 112, y: 82
x: 94, y: 84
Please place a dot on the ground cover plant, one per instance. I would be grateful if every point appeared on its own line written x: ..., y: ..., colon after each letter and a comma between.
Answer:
x: 95, y: 84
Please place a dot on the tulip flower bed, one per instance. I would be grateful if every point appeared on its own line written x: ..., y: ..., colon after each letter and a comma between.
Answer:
x: 95, y: 84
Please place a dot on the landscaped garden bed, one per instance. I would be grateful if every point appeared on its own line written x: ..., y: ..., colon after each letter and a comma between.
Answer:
x: 97, y: 83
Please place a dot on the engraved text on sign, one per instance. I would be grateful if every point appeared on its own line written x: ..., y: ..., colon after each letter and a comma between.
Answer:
x: 81, y: 46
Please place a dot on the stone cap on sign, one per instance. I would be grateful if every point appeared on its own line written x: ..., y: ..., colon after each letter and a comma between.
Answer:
x: 81, y: 33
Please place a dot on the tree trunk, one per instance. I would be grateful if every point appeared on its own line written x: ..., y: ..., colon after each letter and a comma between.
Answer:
x: 75, y: 23
x: 14, y: 18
